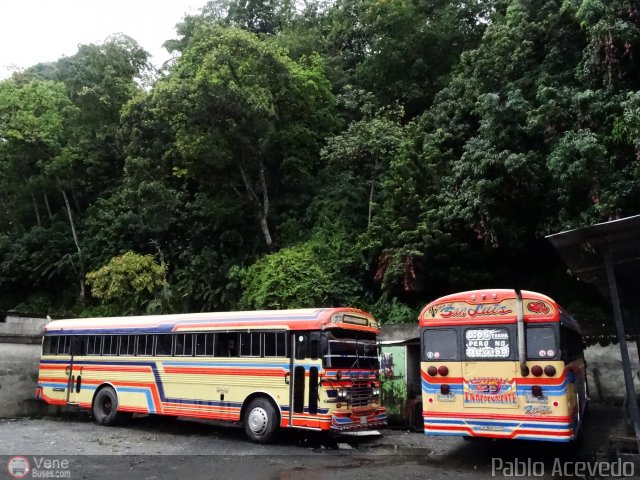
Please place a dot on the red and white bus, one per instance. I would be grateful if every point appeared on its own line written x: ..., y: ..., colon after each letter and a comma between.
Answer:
x: 502, y: 364
x: 310, y: 368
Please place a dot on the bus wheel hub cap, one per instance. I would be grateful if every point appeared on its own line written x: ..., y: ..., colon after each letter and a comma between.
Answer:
x: 258, y: 420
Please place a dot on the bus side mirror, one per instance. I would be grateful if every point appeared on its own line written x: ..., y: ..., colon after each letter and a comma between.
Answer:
x: 77, y: 346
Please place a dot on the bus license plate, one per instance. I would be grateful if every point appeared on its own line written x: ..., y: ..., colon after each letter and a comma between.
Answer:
x: 446, y: 398
x: 363, y: 420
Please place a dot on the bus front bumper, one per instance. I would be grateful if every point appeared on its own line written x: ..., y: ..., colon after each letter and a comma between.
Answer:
x: 351, y: 421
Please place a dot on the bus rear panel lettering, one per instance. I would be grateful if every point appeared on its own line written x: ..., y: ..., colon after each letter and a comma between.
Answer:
x: 475, y: 381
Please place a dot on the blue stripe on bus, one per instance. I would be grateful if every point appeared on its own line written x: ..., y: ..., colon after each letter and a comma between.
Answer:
x: 523, y: 390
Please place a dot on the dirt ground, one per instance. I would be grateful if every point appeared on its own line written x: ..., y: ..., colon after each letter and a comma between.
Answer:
x: 151, y: 448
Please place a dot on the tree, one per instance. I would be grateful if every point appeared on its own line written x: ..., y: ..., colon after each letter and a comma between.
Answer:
x: 129, y: 281
x: 314, y: 273
x: 403, y: 50
x: 246, y: 118
x: 35, y: 121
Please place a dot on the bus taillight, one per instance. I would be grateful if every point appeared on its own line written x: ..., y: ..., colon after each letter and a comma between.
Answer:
x: 550, y: 370
x: 443, y: 370
x: 432, y: 371
x: 536, y: 370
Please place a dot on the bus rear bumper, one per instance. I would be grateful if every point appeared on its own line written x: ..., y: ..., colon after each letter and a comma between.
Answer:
x: 547, y: 433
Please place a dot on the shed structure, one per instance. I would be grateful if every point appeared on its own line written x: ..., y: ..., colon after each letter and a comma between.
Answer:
x: 607, y: 255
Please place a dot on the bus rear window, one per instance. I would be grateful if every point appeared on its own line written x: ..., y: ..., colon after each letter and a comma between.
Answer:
x: 541, y: 343
x: 487, y: 343
x: 439, y: 344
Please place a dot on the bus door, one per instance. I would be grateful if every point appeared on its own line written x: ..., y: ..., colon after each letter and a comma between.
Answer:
x: 489, y: 374
x: 74, y: 372
x: 303, y: 379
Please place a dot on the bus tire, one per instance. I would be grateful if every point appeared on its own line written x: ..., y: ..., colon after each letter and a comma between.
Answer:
x: 261, y: 420
x: 105, y: 407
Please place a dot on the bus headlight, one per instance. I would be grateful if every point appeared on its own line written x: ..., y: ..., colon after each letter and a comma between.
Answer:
x: 342, y: 393
x: 375, y: 391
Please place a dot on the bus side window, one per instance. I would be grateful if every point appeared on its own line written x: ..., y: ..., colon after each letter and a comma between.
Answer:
x: 204, y: 344
x: 226, y: 345
x: 575, y: 346
x: 184, y: 344
x: 275, y: 344
x: 78, y: 345
x: 571, y: 345
x: 124, y: 344
x: 163, y: 345
x: 64, y: 345
x: 46, y: 345
x: 270, y: 344
x: 111, y: 342
x: 282, y: 344
x: 145, y: 345
x: 250, y: 344
x: 91, y: 341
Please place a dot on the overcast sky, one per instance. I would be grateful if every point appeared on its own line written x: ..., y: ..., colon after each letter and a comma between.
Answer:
x: 33, y: 31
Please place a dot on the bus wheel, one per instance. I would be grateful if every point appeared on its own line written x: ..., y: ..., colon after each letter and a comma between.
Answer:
x: 105, y: 407
x: 260, y: 422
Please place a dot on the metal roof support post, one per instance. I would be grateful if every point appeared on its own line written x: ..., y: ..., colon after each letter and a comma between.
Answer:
x: 636, y: 330
x: 632, y: 399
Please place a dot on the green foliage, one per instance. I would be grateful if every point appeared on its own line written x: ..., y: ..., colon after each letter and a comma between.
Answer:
x: 130, y: 281
x: 357, y: 152
x: 393, y: 311
x: 290, y: 278
x: 313, y: 273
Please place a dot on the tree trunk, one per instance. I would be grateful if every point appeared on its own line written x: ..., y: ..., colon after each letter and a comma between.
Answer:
x: 35, y: 208
x: 46, y: 202
x: 75, y: 240
x: 264, y: 226
x: 373, y: 182
x: 264, y: 212
x: 261, y: 206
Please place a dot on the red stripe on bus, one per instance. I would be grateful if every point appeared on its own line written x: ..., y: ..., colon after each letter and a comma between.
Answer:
x: 226, y: 371
x: 498, y: 416
x: 97, y: 368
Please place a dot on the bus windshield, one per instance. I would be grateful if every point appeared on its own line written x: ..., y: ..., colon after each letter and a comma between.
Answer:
x: 350, y: 349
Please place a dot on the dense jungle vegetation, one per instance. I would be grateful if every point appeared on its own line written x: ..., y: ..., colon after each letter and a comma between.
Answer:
x: 373, y: 153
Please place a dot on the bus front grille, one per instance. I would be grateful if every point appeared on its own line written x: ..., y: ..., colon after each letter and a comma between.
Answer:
x: 360, y: 394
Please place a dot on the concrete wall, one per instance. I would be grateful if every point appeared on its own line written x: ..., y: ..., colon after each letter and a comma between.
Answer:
x: 20, y: 340
x: 15, y: 329
x: 18, y: 378
x: 604, y: 370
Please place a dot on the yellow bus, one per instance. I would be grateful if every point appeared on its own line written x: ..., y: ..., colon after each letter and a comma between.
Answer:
x: 502, y: 364
x: 309, y: 368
